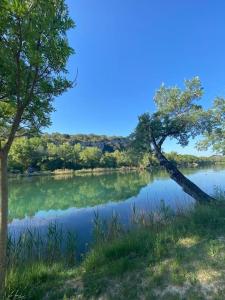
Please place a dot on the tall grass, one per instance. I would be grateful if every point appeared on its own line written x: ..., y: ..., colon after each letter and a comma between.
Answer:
x: 34, y: 258
x: 106, y: 230
x: 32, y: 246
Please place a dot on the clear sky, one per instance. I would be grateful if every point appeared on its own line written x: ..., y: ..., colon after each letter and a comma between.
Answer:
x: 126, y: 48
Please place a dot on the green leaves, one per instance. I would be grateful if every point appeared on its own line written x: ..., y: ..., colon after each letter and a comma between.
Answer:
x: 34, y: 51
x: 172, y: 100
x: 90, y: 156
x: 215, y: 135
x: 180, y: 118
x: 141, y: 138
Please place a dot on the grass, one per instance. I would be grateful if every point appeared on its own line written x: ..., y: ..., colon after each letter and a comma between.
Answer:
x: 33, y: 247
x: 162, y: 256
x: 38, y: 263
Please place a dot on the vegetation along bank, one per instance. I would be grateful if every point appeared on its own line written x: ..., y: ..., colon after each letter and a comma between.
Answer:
x: 59, y: 152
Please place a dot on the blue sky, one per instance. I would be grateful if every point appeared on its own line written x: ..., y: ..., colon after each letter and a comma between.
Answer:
x: 126, y: 49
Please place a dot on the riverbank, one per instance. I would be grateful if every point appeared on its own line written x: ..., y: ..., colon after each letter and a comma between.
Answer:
x: 74, y: 172
x: 163, y: 256
x: 80, y: 172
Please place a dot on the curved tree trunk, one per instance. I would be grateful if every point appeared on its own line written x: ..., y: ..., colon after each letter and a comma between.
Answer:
x: 3, y: 219
x: 187, y: 185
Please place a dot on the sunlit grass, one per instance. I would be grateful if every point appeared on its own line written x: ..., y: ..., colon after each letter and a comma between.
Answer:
x: 188, y: 241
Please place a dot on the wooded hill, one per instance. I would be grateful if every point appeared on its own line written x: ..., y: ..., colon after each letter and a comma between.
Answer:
x: 103, y: 142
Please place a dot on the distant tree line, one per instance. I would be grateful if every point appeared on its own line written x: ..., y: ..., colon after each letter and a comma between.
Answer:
x: 51, y: 152
x: 105, y: 143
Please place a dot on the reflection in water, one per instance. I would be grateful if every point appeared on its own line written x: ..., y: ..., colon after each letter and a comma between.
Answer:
x: 30, y: 195
x: 72, y: 200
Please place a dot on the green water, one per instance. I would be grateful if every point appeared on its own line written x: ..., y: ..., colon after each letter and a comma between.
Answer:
x: 30, y: 195
x: 72, y: 200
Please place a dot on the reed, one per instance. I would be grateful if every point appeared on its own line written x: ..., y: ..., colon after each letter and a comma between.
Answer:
x: 32, y: 246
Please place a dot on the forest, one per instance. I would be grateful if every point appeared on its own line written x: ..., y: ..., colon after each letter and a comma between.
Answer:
x: 50, y: 152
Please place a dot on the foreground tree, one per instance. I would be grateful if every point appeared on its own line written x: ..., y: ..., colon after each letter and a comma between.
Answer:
x: 33, y: 54
x: 177, y: 117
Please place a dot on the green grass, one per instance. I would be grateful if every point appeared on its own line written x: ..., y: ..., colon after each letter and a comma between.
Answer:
x: 162, y: 257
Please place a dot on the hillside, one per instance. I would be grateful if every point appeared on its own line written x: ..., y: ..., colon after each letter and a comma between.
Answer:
x: 103, y: 142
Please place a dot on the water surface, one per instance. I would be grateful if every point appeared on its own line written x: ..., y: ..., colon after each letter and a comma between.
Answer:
x: 72, y: 200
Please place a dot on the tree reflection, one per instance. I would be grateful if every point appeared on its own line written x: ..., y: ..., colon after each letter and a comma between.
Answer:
x: 30, y: 195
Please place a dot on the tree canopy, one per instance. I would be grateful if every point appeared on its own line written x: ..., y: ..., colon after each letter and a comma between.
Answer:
x: 33, y: 54
x: 178, y: 116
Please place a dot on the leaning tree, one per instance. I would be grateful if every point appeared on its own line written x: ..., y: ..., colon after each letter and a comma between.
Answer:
x: 178, y: 117
x: 33, y: 55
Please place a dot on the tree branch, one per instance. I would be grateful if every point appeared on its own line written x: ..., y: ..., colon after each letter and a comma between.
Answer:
x: 15, y: 125
x: 18, y: 68
x: 20, y: 110
x: 161, y: 141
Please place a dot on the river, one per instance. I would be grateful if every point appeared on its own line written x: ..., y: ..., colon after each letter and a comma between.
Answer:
x: 71, y: 201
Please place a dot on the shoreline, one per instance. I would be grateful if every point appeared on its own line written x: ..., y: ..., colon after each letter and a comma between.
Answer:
x: 74, y: 172
x: 89, y: 171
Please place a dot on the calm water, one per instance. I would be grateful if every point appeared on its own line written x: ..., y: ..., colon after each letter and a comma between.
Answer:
x: 72, y: 200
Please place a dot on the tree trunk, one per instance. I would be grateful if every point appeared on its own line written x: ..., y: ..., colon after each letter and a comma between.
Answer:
x: 3, y: 219
x: 187, y: 185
